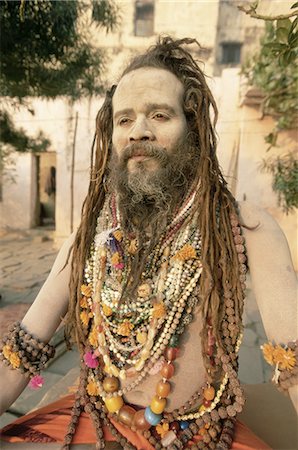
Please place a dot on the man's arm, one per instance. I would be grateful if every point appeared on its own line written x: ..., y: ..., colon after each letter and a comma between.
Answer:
x: 41, y: 321
x: 273, y: 277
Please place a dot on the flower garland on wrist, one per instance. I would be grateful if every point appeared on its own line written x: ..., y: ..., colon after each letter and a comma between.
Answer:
x: 284, y: 360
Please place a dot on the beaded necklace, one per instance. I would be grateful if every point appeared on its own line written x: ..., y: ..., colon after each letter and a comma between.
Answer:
x: 140, y: 335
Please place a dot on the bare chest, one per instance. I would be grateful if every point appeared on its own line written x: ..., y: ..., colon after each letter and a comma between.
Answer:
x: 189, y: 372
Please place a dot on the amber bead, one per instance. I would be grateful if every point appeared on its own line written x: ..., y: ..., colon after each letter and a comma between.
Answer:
x: 139, y: 421
x: 163, y: 388
x: 167, y: 371
x: 126, y: 415
x: 206, y: 403
x: 171, y: 353
x: 209, y: 393
x: 174, y: 426
x: 110, y: 384
x: 158, y: 405
x: 113, y: 404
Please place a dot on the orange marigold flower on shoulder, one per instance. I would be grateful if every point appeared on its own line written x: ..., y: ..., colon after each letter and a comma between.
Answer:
x: 15, y: 360
x: 84, y: 316
x: 159, y: 310
x: 83, y: 302
x: 6, y: 351
x: 86, y: 290
x: 107, y: 310
x: 162, y: 429
x: 268, y: 352
x: 285, y: 359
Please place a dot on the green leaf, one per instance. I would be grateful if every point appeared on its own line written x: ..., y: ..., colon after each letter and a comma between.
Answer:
x: 275, y: 46
x: 282, y: 35
x: 295, y: 5
x: 284, y: 23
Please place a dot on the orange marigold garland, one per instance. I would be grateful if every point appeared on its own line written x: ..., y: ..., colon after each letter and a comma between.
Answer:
x: 284, y: 358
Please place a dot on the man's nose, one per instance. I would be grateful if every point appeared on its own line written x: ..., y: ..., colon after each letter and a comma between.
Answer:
x: 141, y: 131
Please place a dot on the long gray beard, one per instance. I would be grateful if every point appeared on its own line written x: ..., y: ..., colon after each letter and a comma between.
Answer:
x: 147, y: 199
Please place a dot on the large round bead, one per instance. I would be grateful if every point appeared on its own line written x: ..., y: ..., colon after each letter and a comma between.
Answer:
x: 139, y: 421
x: 167, y: 371
x: 158, y: 405
x: 209, y: 393
x: 113, y: 404
x: 126, y: 415
x: 110, y: 384
x: 163, y: 388
x: 171, y: 353
x: 152, y: 418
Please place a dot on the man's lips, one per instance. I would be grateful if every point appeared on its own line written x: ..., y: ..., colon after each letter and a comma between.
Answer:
x: 139, y: 157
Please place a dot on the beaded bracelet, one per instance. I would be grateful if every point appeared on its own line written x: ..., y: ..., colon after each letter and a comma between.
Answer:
x: 20, y: 350
x: 284, y: 358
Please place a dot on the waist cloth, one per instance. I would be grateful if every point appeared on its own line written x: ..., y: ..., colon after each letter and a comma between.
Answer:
x: 49, y: 424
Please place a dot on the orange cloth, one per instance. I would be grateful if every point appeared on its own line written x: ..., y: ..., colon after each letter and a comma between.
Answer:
x: 49, y: 424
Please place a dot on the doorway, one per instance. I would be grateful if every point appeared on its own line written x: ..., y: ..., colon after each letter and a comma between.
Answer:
x: 46, y: 189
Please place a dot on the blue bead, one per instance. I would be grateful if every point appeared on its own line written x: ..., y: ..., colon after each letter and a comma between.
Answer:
x: 152, y: 418
x: 184, y: 424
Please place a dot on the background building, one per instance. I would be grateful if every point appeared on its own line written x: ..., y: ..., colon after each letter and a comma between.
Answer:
x: 227, y: 36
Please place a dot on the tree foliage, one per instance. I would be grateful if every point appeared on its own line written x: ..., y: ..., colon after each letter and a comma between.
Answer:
x: 274, y: 70
x: 46, y: 52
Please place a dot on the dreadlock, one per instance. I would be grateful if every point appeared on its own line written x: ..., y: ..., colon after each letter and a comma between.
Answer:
x: 214, y: 202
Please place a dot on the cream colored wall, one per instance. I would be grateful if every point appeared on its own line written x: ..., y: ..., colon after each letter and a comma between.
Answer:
x: 242, y: 131
x: 57, y: 119
x: 195, y: 19
x: 18, y: 192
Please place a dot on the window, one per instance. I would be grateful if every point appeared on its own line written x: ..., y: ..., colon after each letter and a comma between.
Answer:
x: 144, y: 17
x: 231, y: 52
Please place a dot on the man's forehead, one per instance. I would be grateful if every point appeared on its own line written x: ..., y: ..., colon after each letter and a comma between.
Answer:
x: 149, y: 85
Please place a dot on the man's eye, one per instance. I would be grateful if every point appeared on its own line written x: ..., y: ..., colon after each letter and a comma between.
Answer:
x: 123, y: 121
x: 160, y: 116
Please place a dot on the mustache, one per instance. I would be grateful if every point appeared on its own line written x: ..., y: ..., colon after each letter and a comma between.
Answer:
x: 147, y: 149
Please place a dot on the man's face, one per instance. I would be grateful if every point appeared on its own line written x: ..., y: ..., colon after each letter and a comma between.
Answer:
x: 147, y: 108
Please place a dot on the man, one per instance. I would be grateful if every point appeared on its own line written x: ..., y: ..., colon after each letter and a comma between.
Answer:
x: 157, y: 278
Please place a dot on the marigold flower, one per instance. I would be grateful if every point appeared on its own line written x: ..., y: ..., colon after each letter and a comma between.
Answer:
x: 92, y: 388
x: 284, y: 358
x: 268, y: 352
x: 115, y: 259
x: 107, y: 310
x: 162, y: 429
x: 84, y: 316
x: 15, y: 360
x: 83, y: 302
x: 159, y: 310
x: 86, y: 290
x: 6, y: 351
x: 118, y: 235
x: 133, y: 247
x: 124, y: 329
x: 186, y: 252
x: 93, y: 337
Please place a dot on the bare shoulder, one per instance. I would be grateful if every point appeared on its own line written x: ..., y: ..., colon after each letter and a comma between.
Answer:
x: 257, y: 218
x: 265, y: 240
x: 273, y: 278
